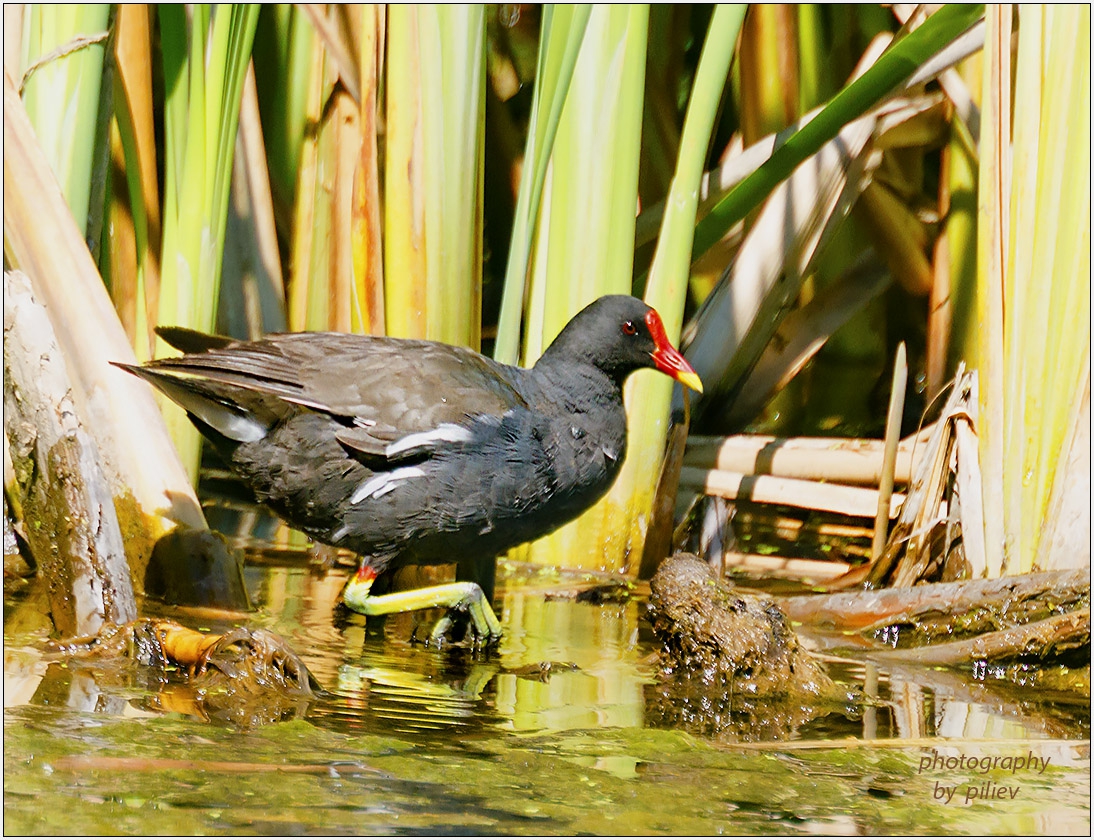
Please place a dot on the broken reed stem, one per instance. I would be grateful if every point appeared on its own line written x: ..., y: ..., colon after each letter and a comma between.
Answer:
x: 1037, y: 640
x: 72, y: 526
x: 774, y: 490
x: 888, y: 465
x: 794, y: 529
x: 856, y: 611
x: 658, y: 543
x: 843, y: 460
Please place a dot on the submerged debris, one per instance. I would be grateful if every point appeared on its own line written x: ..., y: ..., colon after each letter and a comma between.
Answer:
x: 1026, y: 629
x: 945, y: 612
x: 198, y: 569
x: 245, y: 678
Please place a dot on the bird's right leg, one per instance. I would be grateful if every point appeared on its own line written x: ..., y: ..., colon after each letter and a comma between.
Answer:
x: 481, y: 570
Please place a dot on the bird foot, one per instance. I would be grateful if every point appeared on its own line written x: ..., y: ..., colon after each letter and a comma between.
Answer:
x: 483, y: 627
x: 480, y: 626
x: 460, y: 597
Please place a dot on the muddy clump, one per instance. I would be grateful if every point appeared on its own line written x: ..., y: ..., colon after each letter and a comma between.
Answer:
x: 729, y: 661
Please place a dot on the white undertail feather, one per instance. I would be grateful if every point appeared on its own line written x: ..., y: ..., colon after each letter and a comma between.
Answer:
x: 230, y: 422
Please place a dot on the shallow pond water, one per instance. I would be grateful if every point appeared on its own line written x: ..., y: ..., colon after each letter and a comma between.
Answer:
x: 561, y: 730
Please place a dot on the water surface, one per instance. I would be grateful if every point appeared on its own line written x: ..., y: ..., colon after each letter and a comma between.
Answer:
x: 560, y: 731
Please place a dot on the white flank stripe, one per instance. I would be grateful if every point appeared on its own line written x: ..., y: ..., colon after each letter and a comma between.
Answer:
x: 383, y: 483
x: 447, y: 432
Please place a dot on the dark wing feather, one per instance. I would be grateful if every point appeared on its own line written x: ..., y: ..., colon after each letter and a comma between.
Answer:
x: 382, y: 388
x: 192, y: 341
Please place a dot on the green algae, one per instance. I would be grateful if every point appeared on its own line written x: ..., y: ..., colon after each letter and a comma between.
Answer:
x: 296, y: 777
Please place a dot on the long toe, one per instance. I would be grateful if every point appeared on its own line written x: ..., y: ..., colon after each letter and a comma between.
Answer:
x: 445, y: 630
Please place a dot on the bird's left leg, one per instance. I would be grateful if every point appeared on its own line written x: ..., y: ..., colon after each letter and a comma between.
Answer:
x: 461, y: 595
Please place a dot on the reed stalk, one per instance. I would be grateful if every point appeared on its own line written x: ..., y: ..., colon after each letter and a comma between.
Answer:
x: 433, y: 200
x: 205, y: 52
x: 667, y: 285
x: 583, y: 245
x: 561, y: 35
x: 1046, y: 305
x: 62, y: 62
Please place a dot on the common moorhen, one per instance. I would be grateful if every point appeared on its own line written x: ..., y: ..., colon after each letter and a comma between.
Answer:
x: 416, y: 452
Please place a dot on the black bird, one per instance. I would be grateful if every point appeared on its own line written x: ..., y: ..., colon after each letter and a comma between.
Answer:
x: 416, y: 452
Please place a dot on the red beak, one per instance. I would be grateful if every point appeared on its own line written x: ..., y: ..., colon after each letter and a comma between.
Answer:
x: 667, y: 358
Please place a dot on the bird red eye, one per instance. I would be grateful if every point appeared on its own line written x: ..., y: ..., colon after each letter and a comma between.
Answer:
x: 629, y: 328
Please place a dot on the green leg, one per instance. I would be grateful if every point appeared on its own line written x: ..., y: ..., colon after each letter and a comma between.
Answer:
x: 462, y: 595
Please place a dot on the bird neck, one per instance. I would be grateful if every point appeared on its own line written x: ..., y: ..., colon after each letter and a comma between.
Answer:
x: 570, y: 355
x: 577, y: 376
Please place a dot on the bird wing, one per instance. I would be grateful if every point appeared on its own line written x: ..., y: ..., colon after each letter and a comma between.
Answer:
x: 398, y: 399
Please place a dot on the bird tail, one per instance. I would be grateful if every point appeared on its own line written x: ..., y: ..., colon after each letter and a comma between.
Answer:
x: 213, y: 403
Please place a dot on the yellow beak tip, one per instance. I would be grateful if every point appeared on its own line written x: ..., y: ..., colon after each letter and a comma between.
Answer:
x: 691, y: 380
